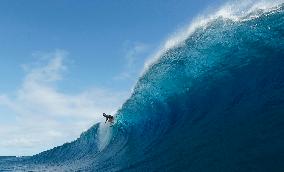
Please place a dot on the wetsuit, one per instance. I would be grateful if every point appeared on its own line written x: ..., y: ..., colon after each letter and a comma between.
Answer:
x: 108, y: 117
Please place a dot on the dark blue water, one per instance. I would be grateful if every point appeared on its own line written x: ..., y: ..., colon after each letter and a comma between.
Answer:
x: 212, y: 104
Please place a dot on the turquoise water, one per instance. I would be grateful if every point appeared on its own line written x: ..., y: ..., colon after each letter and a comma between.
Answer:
x: 214, y: 103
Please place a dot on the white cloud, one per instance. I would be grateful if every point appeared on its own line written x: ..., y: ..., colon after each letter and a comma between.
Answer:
x: 44, y: 116
x: 134, y: 52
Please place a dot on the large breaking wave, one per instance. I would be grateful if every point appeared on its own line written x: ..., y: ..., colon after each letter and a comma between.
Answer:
x: 214, y: 101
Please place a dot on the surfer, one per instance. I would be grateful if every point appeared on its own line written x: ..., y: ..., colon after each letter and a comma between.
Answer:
x: 109, y: 118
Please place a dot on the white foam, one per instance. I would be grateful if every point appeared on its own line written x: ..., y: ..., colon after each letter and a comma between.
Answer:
x: 104, y: 135
x: 235, y: 11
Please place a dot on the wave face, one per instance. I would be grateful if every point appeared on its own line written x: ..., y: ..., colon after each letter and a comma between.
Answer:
x: 213, y: 103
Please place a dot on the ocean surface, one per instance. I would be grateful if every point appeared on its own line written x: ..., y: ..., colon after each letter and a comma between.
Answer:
x: 211, y: 102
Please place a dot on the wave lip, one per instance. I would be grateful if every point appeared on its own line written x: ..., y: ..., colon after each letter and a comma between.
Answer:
x: 236, y: 11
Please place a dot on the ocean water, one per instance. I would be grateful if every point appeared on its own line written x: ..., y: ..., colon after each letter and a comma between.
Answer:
x: 212, y: 102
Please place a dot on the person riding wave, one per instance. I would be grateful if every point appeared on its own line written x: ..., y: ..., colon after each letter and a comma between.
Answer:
x: 109, y: 118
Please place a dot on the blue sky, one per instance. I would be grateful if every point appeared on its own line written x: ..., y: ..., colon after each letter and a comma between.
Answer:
x: 65, y: 62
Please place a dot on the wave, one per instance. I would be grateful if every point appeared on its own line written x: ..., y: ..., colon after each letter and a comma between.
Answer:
x: 212, y: 100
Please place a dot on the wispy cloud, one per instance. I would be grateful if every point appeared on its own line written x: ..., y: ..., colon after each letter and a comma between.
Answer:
x: 134, y: 52
x: 45, y: 116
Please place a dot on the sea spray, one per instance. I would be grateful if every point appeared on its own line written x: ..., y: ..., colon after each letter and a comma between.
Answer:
x: 104, y: 135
